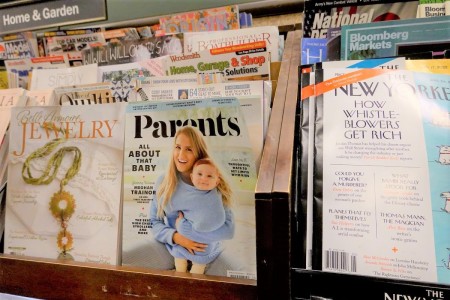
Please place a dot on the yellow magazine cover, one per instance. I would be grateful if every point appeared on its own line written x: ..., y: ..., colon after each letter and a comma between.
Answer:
x: 3, y: 79
x: 438, y: 66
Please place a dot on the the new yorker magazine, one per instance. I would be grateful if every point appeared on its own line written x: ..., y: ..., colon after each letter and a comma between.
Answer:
x: 65, y: 181
x: 159, y: 140
x: 385, y: 184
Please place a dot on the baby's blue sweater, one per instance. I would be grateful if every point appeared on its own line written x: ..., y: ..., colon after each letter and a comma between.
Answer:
x: 205, y: 221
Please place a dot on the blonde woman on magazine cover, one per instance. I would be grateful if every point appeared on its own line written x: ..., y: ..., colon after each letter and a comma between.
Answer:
x: 172, y: 192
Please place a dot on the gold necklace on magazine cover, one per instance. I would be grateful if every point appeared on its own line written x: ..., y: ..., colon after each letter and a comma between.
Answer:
x: 62, y: 203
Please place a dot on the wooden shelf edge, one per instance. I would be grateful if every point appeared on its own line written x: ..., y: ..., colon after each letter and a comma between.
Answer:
x: 269, y: 154
x: 54, y: 279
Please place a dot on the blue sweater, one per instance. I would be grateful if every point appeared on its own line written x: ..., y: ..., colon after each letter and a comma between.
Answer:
x: 205, y: 220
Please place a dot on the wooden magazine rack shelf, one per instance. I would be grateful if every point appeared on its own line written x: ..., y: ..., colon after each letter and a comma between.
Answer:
x: 51, y: 279
x: 272, y: 196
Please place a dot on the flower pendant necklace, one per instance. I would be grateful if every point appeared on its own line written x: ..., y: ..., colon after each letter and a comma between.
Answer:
x: 62, y: 204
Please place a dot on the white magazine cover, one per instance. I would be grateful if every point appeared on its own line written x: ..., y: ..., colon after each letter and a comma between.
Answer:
x: 205, y: 40
x: 211, y: 128
x: 428, y: 9
x: 8, y: 99
x: 52, y: 78
x: 384, y: 187
x: 133, y: 70
x: 94, y: 93
x: 65, y: 181
x: 23, y: 67
x: 40, y: 97
x: 254, y: 97
x: 388, y: 63
x: 168, y: 80
x: 249, y: 61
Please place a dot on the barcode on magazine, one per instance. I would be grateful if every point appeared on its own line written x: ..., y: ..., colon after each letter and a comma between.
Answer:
x: 241, y: 275
x: 340, y: 261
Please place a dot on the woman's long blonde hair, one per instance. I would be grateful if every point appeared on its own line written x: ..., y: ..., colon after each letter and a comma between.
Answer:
x: 223, y: 187
x: 169, y: 183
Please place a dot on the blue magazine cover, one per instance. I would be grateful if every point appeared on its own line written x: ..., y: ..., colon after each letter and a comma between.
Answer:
x: 435, y: 107
x: 395, y: 38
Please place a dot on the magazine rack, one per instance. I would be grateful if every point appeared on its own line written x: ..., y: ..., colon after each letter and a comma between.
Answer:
x: 54, y: 279
x: 278, y: 231
x: 280, y: 274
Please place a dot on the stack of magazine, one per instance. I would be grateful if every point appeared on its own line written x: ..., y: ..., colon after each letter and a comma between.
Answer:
x: 373, y: 29
x: 107, y: 134
x: 374, y: 130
